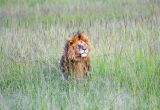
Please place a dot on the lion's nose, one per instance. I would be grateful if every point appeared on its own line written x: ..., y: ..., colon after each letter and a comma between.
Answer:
x: 84, y: 48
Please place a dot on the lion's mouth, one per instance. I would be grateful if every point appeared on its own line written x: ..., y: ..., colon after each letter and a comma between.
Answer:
x: 83, y: 53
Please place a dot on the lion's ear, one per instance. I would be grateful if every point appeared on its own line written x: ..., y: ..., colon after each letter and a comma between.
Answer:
x: 70, y: 42
x: 79, y: 36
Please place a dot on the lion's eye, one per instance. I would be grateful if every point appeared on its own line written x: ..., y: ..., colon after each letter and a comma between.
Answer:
x: 80, y: 46
x: 70, y: 42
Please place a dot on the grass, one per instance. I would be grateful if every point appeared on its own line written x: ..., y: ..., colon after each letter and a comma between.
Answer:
x: 125, y: 57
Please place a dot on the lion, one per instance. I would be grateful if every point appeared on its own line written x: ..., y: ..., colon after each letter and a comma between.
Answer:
x: 75, y: 60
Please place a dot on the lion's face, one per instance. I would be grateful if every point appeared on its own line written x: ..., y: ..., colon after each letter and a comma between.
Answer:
x: 82, y: 48
x: 78, y: 46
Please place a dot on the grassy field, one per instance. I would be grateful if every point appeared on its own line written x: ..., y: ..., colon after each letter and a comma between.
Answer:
x: 125, y: 56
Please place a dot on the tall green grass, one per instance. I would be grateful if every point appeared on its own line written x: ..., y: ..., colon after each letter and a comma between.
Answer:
x: 125, y: 54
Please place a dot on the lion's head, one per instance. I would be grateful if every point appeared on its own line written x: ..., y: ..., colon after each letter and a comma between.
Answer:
x: 78, y: 47
x: 75, y: 60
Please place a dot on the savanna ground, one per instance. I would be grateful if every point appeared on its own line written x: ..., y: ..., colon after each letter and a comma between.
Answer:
x: 125, y: 57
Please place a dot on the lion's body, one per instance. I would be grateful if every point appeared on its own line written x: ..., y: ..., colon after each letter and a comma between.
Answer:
x: 73, y: 64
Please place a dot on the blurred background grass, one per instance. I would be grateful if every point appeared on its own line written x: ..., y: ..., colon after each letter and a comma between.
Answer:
x: 125, y: 57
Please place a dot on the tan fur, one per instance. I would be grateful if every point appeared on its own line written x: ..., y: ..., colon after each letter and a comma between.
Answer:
x: 72, y: 64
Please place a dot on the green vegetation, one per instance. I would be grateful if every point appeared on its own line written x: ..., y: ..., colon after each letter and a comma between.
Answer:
x: 125, y: 57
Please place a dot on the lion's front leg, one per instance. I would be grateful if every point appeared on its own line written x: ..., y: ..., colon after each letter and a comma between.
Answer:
x: 64, y: 66
x: 87, y: 67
